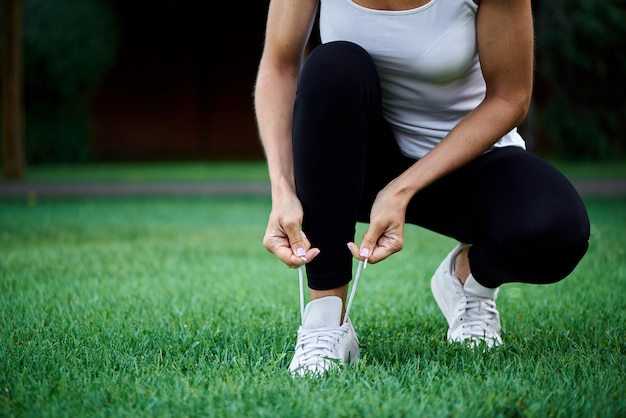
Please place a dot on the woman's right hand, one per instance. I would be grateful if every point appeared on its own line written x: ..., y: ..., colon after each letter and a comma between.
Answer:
x: 284, y: 236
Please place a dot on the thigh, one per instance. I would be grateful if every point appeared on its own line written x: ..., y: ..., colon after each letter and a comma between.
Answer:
x: 525, y: 220
x: 507, y: 196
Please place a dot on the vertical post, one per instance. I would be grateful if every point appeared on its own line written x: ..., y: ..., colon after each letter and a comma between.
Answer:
x: 12, y: 93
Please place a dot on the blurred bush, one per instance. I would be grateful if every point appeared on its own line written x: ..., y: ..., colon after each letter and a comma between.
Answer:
x: 581, y: 48
x: 580, y: 105
x: 67, y: 47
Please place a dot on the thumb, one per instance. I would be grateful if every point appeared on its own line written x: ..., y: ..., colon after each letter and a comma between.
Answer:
x: 297, y: 241
x: 370, y: 238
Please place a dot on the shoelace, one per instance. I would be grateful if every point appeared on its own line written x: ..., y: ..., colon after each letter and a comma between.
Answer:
x: 355, y: 283
x: 315, y: 346
x: 479, y: 315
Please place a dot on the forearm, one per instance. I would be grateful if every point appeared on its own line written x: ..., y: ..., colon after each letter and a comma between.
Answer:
x: 505, y: 46
x: 274, y: 98
x: 474, y: 135
x: 289, y: 24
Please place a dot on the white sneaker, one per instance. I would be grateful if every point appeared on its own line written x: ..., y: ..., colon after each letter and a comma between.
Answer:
x: 470, y: 309
x: 323, y: 342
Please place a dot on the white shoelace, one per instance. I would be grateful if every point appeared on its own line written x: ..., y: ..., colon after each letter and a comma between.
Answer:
x: 479, y: 315
x: 316, y: 346
x: 355, y: 283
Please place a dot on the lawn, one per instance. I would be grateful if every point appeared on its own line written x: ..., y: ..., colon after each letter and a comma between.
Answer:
x: 138, y: 173
x: 170, y: 307
x: 255, y: 170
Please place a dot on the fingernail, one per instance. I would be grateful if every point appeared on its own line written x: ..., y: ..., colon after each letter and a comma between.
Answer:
x: 365, y: 252
x: 301, y: 252
x: 302, y: 234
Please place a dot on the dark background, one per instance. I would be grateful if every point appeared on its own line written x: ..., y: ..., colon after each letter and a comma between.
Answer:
x: 120, y: 80
x: 181, y: 85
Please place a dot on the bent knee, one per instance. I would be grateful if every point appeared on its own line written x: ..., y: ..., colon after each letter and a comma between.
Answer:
x: 337, y: 67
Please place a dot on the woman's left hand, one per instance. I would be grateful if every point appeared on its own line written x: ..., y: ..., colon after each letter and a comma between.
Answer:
x: 385, y: 235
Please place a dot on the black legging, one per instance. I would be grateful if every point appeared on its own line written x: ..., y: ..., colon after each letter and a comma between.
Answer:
x: 525, y: 220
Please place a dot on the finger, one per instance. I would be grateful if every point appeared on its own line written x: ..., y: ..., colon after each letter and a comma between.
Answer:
x: 389, y: 243
x: 354, y: 250
x: 297, y: 240
x: 380, y: 254
x: 305, y: 255
x: 294, y: 261
x: 276, y: 242
x: 359, y: 254
x: 368, y: 244
x: 312, y: 253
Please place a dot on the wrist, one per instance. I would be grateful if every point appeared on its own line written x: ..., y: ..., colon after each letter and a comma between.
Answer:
x: 400, y: 191
x: 281, y: 189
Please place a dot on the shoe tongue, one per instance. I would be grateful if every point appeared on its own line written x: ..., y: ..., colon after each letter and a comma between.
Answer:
x: 322, y: 313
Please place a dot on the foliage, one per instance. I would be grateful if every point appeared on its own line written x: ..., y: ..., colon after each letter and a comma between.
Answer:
x: 581, y: 63
x: 69, y: 44
x: 67, y: 47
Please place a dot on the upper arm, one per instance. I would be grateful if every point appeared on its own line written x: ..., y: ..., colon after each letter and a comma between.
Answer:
x: 505, y: 47
x: 289, y: 24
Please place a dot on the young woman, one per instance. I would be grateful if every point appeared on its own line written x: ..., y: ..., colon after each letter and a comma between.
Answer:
x: 407, y: 112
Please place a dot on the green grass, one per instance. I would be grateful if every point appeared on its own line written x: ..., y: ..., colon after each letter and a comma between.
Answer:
x: 145, y: 172
x: 241, y: 171
x: 159, y: 307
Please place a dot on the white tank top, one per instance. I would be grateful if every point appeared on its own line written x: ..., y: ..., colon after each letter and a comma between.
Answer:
x: 427, y: 61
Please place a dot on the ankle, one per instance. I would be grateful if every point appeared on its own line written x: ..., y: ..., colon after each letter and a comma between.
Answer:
x: 461, y: 265
x: 341, y: 292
